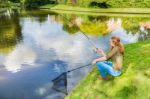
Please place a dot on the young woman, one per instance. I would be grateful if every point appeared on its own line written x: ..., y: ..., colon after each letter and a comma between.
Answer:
x: 116, y: 55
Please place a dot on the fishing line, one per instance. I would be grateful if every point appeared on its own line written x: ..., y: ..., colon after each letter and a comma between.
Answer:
x: 78, y: 68
x: 58, y: 78
x: 91, y: 42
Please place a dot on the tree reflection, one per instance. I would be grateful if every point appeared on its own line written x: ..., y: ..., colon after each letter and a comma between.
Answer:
x: 131, y: 24
x: 98, y: 25
x: 10, y: 31
x: 136, y: 26
x: 40, y: 16
x: 144, y: 31
x: 95, y: 29
x: 69, y: 24
x: 89, y: 25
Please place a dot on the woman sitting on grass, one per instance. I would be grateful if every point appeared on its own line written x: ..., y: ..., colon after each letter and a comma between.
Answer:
x: 116, y: 54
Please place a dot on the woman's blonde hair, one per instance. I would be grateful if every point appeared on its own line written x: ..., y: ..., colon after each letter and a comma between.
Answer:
x: 116, y: 41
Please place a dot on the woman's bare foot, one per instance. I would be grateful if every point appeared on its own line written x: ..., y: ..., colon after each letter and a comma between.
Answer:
x: 102, y: 78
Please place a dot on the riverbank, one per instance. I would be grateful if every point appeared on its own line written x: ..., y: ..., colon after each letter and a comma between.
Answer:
x: 97, y: 10
x: 2, y: 10
x: 132, y: 84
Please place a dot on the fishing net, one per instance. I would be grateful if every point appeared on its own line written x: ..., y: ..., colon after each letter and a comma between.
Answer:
x: 60, y: 83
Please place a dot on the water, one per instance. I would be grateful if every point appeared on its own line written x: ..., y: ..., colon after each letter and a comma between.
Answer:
x: 37, y: 47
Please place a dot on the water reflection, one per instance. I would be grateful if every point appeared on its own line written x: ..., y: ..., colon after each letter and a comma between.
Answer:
x: 19, y: 56
x: 38, y: 47
x: 10, y: 31
x: 115, y: 27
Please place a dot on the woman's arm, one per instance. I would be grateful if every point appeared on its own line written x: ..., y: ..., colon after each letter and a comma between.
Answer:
x: 103, y: 58
x: 112, y: 53
x: 98, y: 60
x: 100, y: 52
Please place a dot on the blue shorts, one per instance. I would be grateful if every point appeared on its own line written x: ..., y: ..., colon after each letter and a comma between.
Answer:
x: 106, y: 68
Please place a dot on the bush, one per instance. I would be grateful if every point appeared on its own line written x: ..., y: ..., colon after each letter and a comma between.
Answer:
x: 36, y: 3
x: 109, y: 3
x: 100, y: 5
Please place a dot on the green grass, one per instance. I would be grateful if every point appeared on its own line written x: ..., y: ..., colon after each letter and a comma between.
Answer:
x: 132, y: 12
x: 134, y: 83
x: 100, y: 10
x: 9, y: 4
x: 99, y: 14
x: 47, y: 6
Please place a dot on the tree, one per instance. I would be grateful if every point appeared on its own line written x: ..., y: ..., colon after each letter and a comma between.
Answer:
x: 15, y: 1
x: 35, y: 3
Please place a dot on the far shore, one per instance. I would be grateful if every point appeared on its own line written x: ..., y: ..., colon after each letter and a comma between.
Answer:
x: 97, y: 10
x: 2, y: 10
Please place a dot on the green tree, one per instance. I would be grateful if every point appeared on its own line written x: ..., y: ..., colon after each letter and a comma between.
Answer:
x: 10, y: 33
x: 36, y: 3
x: 15, y: 1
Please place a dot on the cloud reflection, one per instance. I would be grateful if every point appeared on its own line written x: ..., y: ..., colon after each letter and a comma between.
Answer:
x: 20, y: 55
x: 70, y: 48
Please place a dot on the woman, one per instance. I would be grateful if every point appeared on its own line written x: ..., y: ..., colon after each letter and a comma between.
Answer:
x: 116, y: 54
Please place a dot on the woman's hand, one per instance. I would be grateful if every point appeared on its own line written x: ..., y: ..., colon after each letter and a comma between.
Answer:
x: 94, y: 62
x: 98, y: 60
x: 99, y: 50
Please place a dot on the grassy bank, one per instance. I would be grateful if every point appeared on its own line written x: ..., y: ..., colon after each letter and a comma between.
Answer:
x: 47, y: 6
x: 106, y: 3
x: 98, y: 10
x: 2, y: 10
x: 132, y: 84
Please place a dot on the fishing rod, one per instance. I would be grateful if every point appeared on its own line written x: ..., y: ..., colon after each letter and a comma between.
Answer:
x: 72, y: 70
x: 78, y: 68
x: 64, y: 73
x: 91, y: 42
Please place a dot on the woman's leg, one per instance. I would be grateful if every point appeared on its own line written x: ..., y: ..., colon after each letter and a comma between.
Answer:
x: 106, y: 68
x: 102, y: 68
x: 108, y: 63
